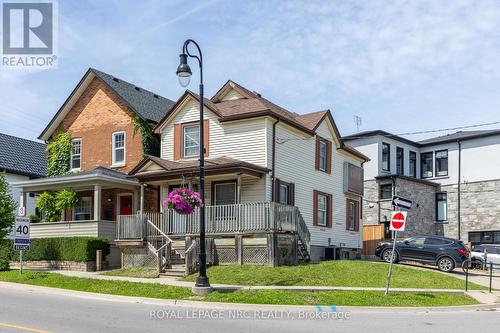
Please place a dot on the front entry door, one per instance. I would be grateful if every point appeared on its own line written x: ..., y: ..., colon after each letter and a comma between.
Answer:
x: 126, y: 205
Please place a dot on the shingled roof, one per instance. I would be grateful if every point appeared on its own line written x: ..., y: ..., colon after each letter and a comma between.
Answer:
x: 147, y: 105
x: 22, y: 157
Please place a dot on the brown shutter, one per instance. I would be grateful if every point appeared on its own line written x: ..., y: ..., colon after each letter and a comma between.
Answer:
x: 328, y: 157
x: 329, y: 211
x: 291, y: 189
x: 277, y: 190
x: 316, y: 155
x: 315, y: 207
x: 206, y: 136
x: 177, y: 141
x: 347, y: 214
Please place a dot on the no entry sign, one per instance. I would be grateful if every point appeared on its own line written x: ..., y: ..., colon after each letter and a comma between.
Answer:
x: 398, y: 221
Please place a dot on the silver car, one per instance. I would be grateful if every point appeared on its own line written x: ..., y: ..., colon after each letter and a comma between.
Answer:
x: 491, y: 251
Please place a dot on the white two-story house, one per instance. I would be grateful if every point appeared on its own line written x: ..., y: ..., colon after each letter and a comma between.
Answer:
x: 267, y: 170
x: 453, y: 181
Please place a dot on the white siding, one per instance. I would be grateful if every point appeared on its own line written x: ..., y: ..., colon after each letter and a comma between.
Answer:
x: 242, y: 140
x: 231, y: 95
x: 295, y: 162
x: 16, y: 192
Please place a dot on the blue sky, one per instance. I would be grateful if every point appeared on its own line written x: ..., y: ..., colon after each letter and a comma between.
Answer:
x: 402, y: 66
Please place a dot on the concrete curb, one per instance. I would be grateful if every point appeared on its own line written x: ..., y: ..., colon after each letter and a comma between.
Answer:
x: 236, y: 306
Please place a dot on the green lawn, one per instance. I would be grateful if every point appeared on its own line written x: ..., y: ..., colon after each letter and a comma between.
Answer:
x: 136, y: 272
x: 339, y: 298
x: 155, y: 290
x: 348, y: 273
x: 124, y: 288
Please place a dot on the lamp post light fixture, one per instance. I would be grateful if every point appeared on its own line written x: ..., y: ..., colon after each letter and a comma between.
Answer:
x: 184, y: 74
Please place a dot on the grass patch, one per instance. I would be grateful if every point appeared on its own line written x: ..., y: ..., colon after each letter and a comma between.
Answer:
x: 348, y: 273
x: 339, y: 298
x: 283, y: 297
x: 123, y: 288
x: 136, y: 272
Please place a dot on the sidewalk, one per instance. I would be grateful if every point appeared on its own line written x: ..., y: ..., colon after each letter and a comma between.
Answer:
x: 221, y: 287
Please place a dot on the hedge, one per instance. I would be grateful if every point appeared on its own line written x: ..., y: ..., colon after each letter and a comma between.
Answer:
x: 79, y: 249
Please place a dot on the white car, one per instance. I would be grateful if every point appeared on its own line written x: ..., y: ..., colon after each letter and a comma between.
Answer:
x: 492, y: 254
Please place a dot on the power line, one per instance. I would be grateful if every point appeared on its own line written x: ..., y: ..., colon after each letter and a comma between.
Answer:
x: 283, y: 140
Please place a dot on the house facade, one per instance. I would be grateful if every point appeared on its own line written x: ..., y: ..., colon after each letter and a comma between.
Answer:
x: 258, y: 153
x: 105, y: 117
x: 21, y: 160
x: 453, y: 181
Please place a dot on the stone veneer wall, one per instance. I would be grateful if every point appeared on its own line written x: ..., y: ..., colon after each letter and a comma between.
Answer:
x: 370, y: 215
x: 89, y: 266
x: 480, y: 208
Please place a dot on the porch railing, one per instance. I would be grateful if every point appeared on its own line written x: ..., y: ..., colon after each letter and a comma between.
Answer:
x: 221, y: 219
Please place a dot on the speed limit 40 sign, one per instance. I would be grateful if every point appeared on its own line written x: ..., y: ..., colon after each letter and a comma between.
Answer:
x: 22, y: 233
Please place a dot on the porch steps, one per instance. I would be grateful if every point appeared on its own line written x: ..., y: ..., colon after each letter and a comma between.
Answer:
x: 175, y: 270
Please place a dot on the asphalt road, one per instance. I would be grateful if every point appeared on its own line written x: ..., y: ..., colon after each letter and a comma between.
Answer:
x: 35, y: 311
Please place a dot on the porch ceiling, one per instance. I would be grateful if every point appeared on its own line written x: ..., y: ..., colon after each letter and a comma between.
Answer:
x: 106, y: 178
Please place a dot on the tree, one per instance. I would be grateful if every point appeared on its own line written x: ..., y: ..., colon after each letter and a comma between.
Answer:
x: 7, y: 207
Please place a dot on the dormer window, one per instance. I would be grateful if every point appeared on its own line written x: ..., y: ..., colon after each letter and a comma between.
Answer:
x: 191, y: 140
x: 118, y: 149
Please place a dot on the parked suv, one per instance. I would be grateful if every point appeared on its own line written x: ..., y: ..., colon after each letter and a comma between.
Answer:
x: 445, y: 253
x: 477, y: 254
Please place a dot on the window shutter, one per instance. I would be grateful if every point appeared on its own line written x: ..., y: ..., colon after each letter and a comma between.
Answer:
x: 277, y: 190
x: 206, y: 136
x: 316, y: 155
x: 315, y: 207
x: 347, y: 214
x: 356, y: 220
x: 177, y: 141
x: 329, y: 212
x: 329, y: 157
x: 292, y: 194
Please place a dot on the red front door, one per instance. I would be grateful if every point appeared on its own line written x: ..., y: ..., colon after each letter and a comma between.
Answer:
x: 126, y: 205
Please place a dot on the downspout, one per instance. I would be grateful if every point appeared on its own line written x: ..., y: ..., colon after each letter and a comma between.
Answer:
x: 273, y: 162
x: 458, y: 186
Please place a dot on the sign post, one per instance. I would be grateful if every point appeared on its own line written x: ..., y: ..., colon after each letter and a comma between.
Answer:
x: 22, y: 238
x: 398, y: 222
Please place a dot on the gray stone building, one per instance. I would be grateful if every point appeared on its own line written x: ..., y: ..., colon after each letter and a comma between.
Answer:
x: 453, y: 181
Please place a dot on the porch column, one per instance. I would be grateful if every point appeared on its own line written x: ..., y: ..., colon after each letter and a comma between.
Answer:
x: 141, y: 204
x: 238, y: 190
x: 135, y: 202
x: 97, y: 202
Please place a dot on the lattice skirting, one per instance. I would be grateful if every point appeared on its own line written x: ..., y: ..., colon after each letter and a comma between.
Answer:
x: 138, y: 257
x: 226, y: 254
x: 255, y: 254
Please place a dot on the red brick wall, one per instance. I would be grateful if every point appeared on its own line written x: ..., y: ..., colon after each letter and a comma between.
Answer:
x: 95, y: 116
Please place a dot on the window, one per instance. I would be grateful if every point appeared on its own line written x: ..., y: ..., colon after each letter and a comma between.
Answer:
x: 353, y: 178
x: 322, y: 209
x: 400, y: 161
x: 352, y: 215
x: 441, y: 163
x: 413, y: 164
x: 82, y: 212
x: 385, y: 191
x: 224, y: 193
x: 76, y: 154
x: 436, y: 241
x: 441, y: 206
x: 191, y: 140
x: 119, y: 148
x: 386, y: 157
x: 426, y: 165
x: 418, y: 241
x: 484, y: 237
x: 323, y: 155
x: 284, y: 192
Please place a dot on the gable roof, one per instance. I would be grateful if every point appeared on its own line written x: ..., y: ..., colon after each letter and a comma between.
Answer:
x: 147, y: 105
x: 21, y: 156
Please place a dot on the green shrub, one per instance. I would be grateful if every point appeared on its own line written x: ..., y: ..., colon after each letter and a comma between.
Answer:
x: 4, y: 264
x: 79, y: 249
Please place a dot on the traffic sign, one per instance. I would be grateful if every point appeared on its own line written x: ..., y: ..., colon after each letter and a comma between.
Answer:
x: 22, y: 233
x: 21, y: 211
x: 401, y: 202
x: 398, y: 221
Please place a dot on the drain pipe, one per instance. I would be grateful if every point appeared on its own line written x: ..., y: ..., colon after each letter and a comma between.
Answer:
x: 458, y: 187
x: 273, y: 163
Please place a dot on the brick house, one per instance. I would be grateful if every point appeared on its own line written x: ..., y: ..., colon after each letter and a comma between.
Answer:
x: 99, y: 115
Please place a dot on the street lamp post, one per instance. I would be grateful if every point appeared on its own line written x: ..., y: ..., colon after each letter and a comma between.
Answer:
x: 184, y: 74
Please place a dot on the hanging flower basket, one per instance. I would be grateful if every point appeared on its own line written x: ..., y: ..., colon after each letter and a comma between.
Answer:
x: 183, y: 201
